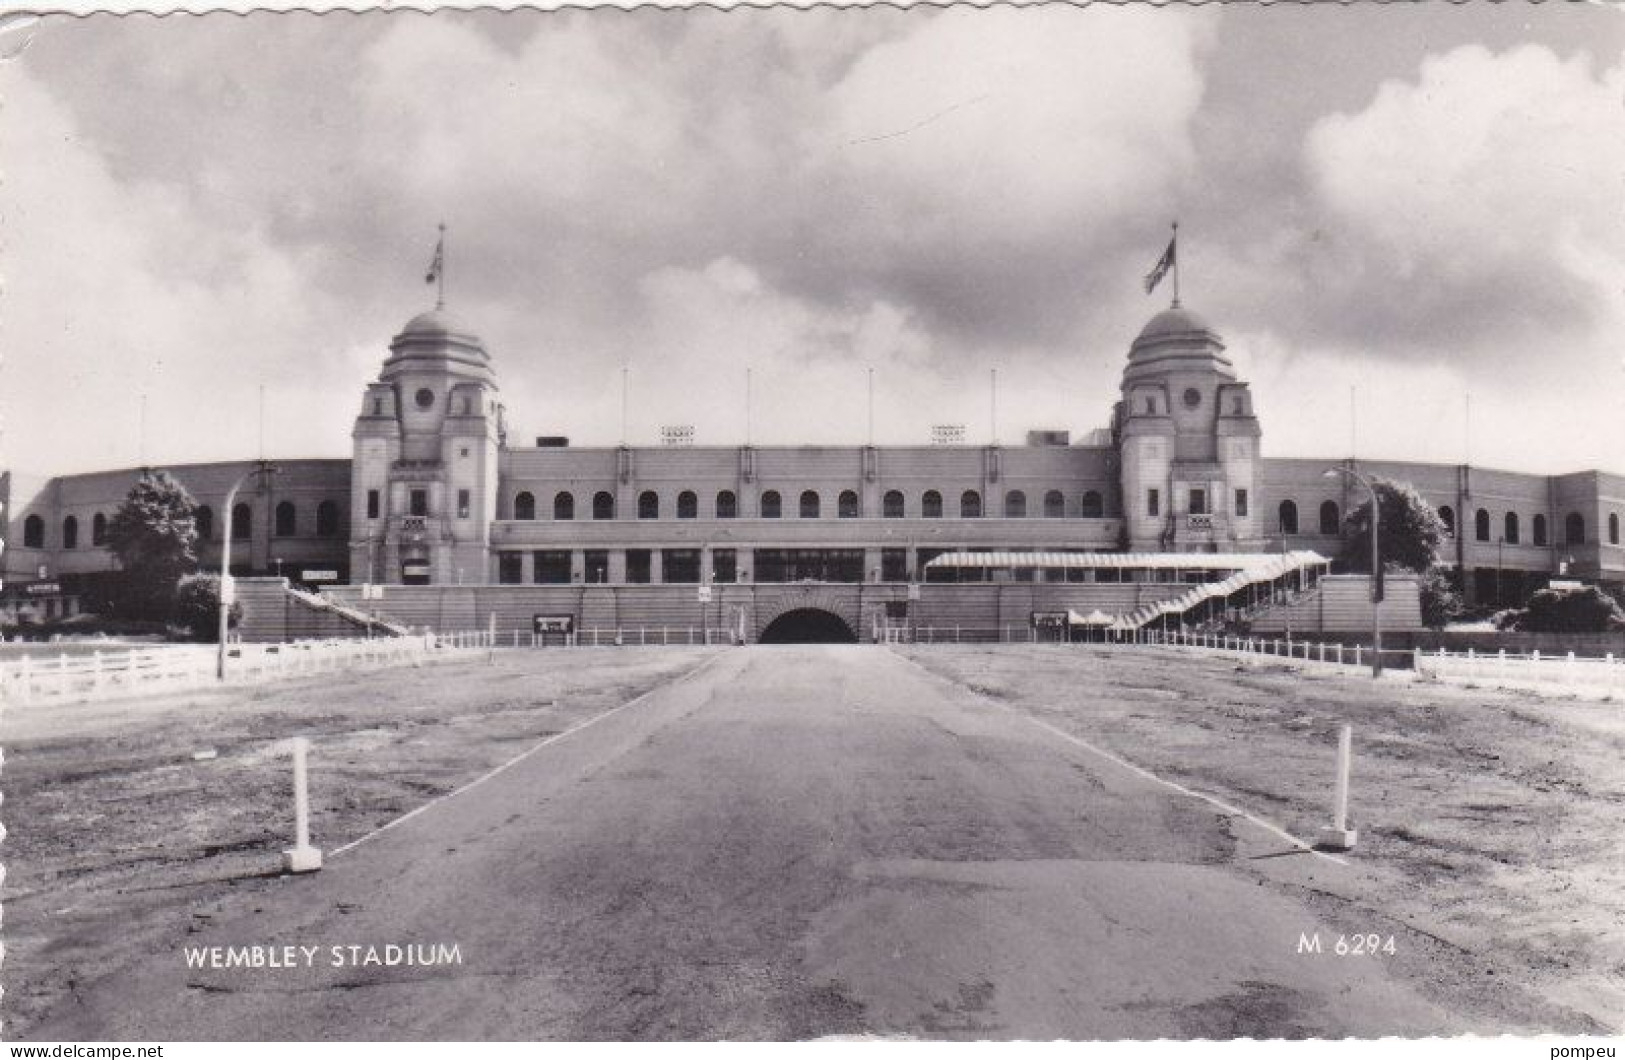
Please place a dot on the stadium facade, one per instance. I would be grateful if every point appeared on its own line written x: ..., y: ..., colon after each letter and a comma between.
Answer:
x: 437, y: 495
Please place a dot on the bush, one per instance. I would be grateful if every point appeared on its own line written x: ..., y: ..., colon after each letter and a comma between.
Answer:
x: 1441, y: 603
x: 197, y: 606
x: 1587, y: 610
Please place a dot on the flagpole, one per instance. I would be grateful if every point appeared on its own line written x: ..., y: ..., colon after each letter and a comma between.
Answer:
x: 1176, y: 265
x: 440, y: 273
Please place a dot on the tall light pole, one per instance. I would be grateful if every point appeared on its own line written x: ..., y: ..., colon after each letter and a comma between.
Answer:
x: 261, y: 468
x: 1376, y: 560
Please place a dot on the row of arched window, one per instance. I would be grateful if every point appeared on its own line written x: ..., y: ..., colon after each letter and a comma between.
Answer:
x: 1331, y: 518
x: 810, y: 505
x: 1574, y: 525
x: 285, y: 523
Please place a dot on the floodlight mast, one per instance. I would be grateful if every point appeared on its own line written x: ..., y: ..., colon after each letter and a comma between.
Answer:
x: 261, y: 468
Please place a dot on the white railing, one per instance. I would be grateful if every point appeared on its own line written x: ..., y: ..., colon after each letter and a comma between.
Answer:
x: 108, y: 674
x: 1586, y: 676
x: 627, y: 636
x: 1590, y: 677
x: 1348, y: 658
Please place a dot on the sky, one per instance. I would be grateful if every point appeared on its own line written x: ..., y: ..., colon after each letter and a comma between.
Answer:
x: 1391, y: 213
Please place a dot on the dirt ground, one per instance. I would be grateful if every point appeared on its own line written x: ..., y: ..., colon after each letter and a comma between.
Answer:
x: 1489, y: 820
x: 116, y: 834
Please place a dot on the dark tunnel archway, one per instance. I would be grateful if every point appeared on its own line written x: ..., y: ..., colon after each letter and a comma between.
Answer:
x: 808, y: 625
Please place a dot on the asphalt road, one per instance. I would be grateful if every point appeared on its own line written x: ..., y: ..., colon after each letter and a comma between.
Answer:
x: 789, y: 843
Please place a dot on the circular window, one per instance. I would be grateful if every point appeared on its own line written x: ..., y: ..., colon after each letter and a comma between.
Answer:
x: 424, y: 398
x: 1193, y: 398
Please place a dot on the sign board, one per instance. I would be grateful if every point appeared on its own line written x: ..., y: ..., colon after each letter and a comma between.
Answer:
x: 43, y: 589
x: 704, y: 594
x: 1565, y: 585
x: 913, y: 590
x: 321, y: 576
x: 415, y: 569
x: 228, y: 589
x: 1049, y: 619
x: 553, y: 623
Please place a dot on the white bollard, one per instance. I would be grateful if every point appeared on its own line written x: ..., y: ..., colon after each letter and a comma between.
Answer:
x: 1340, y: 836
x: 302, y: 857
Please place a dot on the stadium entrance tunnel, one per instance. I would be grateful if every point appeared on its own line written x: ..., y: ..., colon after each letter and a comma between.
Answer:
x: 808, y: 625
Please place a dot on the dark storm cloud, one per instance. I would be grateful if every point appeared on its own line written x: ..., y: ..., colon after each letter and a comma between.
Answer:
x: 934, y: 192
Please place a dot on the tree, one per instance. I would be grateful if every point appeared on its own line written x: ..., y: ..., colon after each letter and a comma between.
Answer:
x: 1585, y: 610
x: 154, y: 536
x: 1409, y: 532
x: 197, y: 606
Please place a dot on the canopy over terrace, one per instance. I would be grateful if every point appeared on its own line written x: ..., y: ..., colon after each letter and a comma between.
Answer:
x: 1173, y: 566
x: 1222, y: 580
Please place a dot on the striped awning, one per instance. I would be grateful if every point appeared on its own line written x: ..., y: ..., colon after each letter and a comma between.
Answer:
x: 1224, y: 561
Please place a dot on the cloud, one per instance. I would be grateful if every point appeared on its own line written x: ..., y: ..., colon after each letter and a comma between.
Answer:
x: 934, y: 193
x: 1478, y: 203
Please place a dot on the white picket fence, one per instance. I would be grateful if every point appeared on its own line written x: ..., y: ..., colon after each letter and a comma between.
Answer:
x: 118, y: 673
x: 633, y: 636
x: 1581, y: 675
x: 1588, y: 677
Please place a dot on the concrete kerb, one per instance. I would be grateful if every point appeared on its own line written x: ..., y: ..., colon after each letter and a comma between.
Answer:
x: 521, y: 756
x: 1224, y: 807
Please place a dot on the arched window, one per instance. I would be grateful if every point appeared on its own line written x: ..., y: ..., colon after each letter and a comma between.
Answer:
x: 1015, y: 505
x: 98, y: 530
x: 688, y: 505
x: 603, y: 505
x: 1093, y: 507
x: 1613, y: 528
x: 1328, y: 518
x: 564, y: 506
x: 846, y: 506
x: 1481, y: 525
x: 70, y: 532
x: 727, y: 505
x: 1054, y: 504
x: 1447, y: 515
x: 1539, y: 529
x: 931, y: 505
x: 203, y: 519
x: 524, y: 505
x: 285, y: 519
x: 242, y: 522
x: 970, y: 505
x: 771, y: 505
x: 1289, y: 517
x: 33, y: 532
x: 327, y: 519
x: 1574, y: 529
x: 891, y: 505
x: 648, y: 505
x: 1511, y: 528
x: 809, y: 504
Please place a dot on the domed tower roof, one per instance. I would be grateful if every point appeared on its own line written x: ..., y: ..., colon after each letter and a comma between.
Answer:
x: 1176, y: 338
x: 438, y: 339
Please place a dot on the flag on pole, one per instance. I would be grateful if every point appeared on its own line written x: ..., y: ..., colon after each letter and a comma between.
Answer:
x: 1168, y: 261
x: 439, y: 259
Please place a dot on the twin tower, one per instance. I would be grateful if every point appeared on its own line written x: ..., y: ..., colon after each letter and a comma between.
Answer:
x: 430, y: 462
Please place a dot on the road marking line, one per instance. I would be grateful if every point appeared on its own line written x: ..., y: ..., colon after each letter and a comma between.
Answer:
x: 521, y: 756
x: 1233, y: 811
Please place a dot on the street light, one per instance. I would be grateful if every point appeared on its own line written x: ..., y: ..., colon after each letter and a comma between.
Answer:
x: 261, y: 468
x: 1376, y: 560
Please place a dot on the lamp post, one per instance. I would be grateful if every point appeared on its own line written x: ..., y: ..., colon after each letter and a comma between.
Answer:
x: 1376, y: 560
x: 261, y: 468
